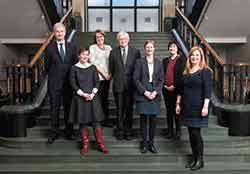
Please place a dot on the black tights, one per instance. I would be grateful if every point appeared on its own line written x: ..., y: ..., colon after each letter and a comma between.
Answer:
x: 148, y: 133
x: 196, y: 141
x: 94, y: 125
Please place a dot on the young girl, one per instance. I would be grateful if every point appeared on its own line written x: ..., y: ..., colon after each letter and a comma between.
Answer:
x: 86, y: 109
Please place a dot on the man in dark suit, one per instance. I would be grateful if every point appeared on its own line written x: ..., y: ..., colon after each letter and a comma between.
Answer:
x: 121, y: 65
x: 59, y: 57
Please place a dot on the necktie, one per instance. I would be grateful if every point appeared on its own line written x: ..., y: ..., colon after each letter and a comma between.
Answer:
x: 124, y: 57
x: 61, y: 52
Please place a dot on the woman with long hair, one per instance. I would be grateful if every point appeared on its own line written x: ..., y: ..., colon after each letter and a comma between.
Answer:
x: 193, y: 100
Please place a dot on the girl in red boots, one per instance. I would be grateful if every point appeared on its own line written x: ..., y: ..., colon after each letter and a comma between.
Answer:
x: 86, y: 108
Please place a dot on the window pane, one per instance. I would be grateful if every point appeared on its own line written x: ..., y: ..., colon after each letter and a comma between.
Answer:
x: 147, y: 20
x: 147, y: 2
x: 99, y: 19
x: 123, y: 3
x: 123, y: 19
x: 98, y: 2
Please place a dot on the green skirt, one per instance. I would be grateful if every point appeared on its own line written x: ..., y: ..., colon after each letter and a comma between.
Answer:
x: 149, y: 107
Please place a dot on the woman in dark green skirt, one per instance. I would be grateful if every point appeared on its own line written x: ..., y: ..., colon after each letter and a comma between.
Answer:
x: 148, y: 78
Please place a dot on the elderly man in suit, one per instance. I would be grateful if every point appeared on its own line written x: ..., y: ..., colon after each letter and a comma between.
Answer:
x: 121, y: 65
x: 59, y: 57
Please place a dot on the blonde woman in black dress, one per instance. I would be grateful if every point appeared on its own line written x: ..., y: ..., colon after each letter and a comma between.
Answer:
x: 194, y: 100
x: 86, y: 108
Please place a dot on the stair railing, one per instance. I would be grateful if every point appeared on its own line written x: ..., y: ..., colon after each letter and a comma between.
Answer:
x: 22, y: 80
x: 231, y: 81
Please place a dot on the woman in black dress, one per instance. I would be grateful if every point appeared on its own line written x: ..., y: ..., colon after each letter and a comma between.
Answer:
x: 148, y: 79
x: 86, y: 108
x: 195, y: 97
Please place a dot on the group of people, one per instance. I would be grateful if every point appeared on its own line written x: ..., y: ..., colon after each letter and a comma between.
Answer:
x: 81, y: 81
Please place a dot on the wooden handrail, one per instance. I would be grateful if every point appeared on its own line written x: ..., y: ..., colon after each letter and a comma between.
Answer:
x: 46, y: 43
x: 39, y: 52
x: 203, y: 40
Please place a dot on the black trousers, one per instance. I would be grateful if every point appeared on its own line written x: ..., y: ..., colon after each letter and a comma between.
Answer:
x: 104, y: 95
x: 148, y: 126
x: 124, y: 108
x: 170, y: 100
x: 196, y: 141
x: 58, y: 97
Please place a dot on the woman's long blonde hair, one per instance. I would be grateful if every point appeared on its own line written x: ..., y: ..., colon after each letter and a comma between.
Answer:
x: 203, y: 63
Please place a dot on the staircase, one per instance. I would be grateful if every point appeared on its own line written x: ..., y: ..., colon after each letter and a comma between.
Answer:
x: 31, y: 154
x: 136, y: 40
x: 223, y: 154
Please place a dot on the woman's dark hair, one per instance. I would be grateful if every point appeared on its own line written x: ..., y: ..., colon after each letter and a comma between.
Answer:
x: 171, y: 43
x: 149, y: 41
x: 98, y: 31
x: 83, y: 49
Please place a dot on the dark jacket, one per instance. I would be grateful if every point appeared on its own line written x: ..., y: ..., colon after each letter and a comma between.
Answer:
x: 58, y: 71
x: 141, y: 78
x: 122, y: 75
x: 178, y: 70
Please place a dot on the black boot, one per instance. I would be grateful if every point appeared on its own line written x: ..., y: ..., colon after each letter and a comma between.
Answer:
x: 144, y: 147
x: 152, y: 148
x: 191, y: 162
x: 199, y: 164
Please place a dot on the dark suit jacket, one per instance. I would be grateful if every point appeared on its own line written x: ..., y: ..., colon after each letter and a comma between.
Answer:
x: 178, y: 70
x: 58, y: 71
x: 123, y: 74
x: 141, y: 78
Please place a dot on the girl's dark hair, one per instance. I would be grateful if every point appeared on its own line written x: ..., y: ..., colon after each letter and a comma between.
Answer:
x: 98, y: 31
x: 83, y: 49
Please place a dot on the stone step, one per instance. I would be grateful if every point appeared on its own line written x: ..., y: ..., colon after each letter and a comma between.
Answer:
x: 128, y: 167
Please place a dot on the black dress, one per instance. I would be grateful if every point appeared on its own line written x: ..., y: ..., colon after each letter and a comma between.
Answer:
x: 82, y: 111
x: 197, y: 87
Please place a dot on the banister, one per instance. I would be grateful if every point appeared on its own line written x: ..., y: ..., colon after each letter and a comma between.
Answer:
x: 203, y: 40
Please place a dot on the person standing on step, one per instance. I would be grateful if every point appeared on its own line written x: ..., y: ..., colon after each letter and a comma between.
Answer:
x: 148, y: 78
x: 121, y: 66
x: 195, y: 96
x: 169, y: 90
x: 59, y: 57
x: 99, y: 56
x: 86, y: 108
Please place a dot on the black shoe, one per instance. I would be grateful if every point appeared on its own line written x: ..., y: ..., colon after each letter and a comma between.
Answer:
x: 129, y: 137
x: 178, y: 135
x: 52, y: 138
x: 152, y: 148
x: 191, y: 163
x: 119, y: 136
x: 143, y: 148
x: 170, y: 136
x: 69, y: 134
x: 199, y: 164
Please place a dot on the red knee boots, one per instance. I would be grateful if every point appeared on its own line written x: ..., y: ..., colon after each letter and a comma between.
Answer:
x: 99, y: 140
x: 85, y: 141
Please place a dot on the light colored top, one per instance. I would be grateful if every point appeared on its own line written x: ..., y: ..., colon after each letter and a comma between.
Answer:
x: 99, y: 56
x: 151, y: 70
